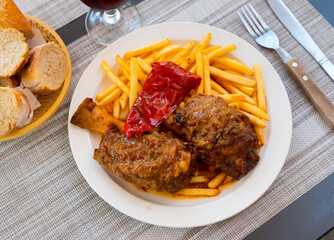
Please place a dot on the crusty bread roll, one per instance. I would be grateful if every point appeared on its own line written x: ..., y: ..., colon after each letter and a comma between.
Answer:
x: 11, y: 82
x: 46, y: 70
x: 14, y: 110
x: 14, y: 52
x: 12, y: 17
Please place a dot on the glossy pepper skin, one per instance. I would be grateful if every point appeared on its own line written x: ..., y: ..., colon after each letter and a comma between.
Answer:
x: 165, y: 88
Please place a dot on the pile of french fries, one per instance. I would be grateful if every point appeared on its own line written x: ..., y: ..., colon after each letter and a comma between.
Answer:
x: 222, y: 75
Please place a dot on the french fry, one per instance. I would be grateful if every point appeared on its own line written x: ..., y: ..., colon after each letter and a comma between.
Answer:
x: 217, y: 180
x: 261, y: 94
x: 169, y: 50
x: 144, y: 55
x: 190, y: 45
x: 141, y: 76
x: 123, y: 79
x: 231, y: 77
x: 221, y: 51
x: 125, y: 73
x: 229, y: 98
x: 105, y: 92
x: 127, y: 76
x: 144, y: 66
x: 232, y: 89
x: 254, y: 120
x: 184, y: 52
x: 148, y: 48
x: 161, y: 59
x: 206, y: 76
x: 233, y: 64
x: 124, y: 112
x: 259, y: 133
x: 123, y: 100
x: 192, y: 92
x: 229, y: 71
x: 114, y: 77
x: 150, y: 58
x: 182, y: 105
x: 215, y: 93
x: 247, y: 90
x: 139, y: 87
x: 169, y: 57
x: 253, y: 110
x: 234, y: 104
x: 218, y: 88
x: 199, y: 179
x: 193, y: 69
x: 254, y: 97
x: 182, y: 60
x: 133, y: 81
x: 126, y: 67
x: 210, y: 49
x: 199, y: 71
x: 199, y: 47
x: 111, y: 97
x: 227, y: 180
x: 120, y: 72
x: 198, y: 192
x: 116, y: 108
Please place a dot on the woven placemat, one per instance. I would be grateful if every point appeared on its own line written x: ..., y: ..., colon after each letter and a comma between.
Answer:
x: 43, y: 194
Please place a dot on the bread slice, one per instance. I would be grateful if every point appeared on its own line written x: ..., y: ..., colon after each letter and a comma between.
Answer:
x: 14, y: 52
x: 14, y: 110
x: 11, y: 82
x: 46, y: 70
x: 12, y: 17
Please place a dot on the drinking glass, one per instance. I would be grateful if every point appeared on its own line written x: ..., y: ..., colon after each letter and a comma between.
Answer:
x: 108, y: 20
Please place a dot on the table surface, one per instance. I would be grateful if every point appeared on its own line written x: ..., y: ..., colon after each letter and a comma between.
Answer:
x: 313, y: 205
x: 313, y: 208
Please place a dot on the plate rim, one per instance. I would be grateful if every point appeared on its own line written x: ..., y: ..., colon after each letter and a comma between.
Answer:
x: 269, y: 183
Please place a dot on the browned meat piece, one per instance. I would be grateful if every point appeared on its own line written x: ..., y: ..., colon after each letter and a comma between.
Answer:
x: 92, y: 117
x: 154, y: 161
x: 221, y: 135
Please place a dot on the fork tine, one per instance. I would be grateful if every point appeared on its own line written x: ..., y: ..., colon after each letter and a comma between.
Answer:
x: 249, y: 29
x: 263, y: 23
x: 251, y: 23
x: 255, y: 21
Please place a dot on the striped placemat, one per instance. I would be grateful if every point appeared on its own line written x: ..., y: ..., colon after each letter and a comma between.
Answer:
x: 43, y: 194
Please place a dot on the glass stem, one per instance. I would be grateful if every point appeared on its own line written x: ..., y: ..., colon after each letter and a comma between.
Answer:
x: 111, y: 16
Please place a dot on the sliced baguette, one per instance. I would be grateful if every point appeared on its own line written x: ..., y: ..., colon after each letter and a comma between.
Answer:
x: 46, y: 70
x: 11, y: 82
x: 14, y: 52
x: 14, y: 110
x: 12, y: 17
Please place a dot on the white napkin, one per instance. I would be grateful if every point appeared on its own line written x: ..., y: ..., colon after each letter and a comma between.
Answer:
x: 32, y: 100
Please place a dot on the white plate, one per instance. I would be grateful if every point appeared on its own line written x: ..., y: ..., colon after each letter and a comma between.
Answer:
x: 160, y: 210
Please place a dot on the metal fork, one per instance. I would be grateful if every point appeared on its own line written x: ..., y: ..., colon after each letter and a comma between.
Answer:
x: 265, y: 37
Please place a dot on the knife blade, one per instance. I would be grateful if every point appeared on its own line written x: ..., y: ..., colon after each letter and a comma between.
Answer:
x: 300, y: 34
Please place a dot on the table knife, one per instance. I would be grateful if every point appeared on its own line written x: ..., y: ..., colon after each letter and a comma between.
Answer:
x: 299, y: 33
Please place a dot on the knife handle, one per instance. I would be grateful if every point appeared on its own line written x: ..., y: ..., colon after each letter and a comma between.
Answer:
x: 313, y: 92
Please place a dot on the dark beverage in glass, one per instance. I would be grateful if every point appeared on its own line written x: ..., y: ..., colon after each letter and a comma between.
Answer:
x: 108, y: 20
x: 104, y: 4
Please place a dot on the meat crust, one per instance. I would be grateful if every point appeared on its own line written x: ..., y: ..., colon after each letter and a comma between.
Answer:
x: 221, y: 135
x: 91, y: 116
x: 155, y: 161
